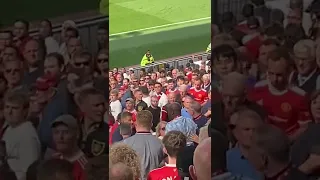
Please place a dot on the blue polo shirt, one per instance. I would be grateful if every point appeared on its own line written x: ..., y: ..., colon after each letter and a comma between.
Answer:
x: 238, y: 165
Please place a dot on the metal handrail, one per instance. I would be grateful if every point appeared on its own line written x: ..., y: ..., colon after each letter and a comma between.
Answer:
x: 84, y: 22
x: 177, y: 61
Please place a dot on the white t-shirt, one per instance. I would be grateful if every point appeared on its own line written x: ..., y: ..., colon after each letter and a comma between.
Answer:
x: 23, y: 148
x: 116, y: 108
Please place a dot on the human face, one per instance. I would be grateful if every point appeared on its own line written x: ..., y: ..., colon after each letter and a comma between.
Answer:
x: 231, y: 98
x: 223, y: 66
x: 113, y: 84
x: 315, y: 108
x: 102, y: 36
x: 129, y: 106
x: 5, y: 40
x: 170, y: 86
x: 94, y: 107
x: 113, y: 97
x: 153, y: 76
x: 31, y: 53
x: 157, y: 88
x: 162, y: 129
x: 174, y: 74
x: 154, y: 102
x: 294, y: 17
x: 180, y: 82
x: 305, y: 65
x: 45, y: 29
x: 68, y: 35
x: 244, y: 131
x: 74, y: 45
x: 9, y: 54
x: 102, y: 62
x: 183, y: 93
x: 126, y: 82
x: 197, y: 85
x: 127, y: 120
x: 278, y: 74
x: 20, y: 29
x: 14, y: 113
x: 138, y: 95
x: 51, y: 66
x: 82, y: 62
x: 64, y: 138
x: 172, y: 98
x: 13, y: 72
x: 264, y: 52
x: 187, y: 102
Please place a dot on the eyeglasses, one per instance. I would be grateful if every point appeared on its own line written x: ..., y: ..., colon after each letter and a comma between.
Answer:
x: 102, y: 60
x: 78, y: 64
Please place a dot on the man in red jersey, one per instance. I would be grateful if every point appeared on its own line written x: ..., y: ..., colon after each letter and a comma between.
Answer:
x: 285, y: 105
x: 199, y: 94
x: 171, y: 87
x: 65, y: 130
x: 130, y: 108
x: 174, y: 142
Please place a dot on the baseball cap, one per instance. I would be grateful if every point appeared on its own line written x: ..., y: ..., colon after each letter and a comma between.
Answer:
x: 130, y: 99
x: 67, y: 120
x: 304, y: 49
x: 45, y: 82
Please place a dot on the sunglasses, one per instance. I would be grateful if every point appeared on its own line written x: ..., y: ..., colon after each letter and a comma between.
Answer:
x: 78, y: 64
x: 102, y: 60
x: 12, y: 70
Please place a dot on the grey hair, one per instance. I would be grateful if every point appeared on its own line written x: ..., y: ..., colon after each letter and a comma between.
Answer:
x: 246, y: 113
x: 195, y: 106
x: 273, y: 142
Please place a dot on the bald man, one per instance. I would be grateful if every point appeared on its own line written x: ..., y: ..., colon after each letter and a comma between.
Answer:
x: 120, y: 171
x: 201, y: 168
x: 233, y: 92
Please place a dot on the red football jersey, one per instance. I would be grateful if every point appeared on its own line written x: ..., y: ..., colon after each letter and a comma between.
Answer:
x: 252, y: 42
x: 111, y: 131
x: 286, y: 109
x: 199, y: 95
x: 79, y: 161
x: 167, y: 172
x: 172, y: 91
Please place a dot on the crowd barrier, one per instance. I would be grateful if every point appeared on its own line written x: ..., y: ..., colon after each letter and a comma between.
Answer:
x: 176, y: 63
x: 87, y: 29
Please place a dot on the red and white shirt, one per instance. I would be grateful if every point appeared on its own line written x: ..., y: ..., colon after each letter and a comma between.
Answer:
x: 167, y: 172
x: 200, y: 96
x: 286, y: 110
x: 175, y: 90
x: 134, y: 114
x: 79, y: 160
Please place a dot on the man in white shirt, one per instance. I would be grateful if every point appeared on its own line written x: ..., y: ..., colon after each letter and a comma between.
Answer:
x: 115, y: 104
x: 21, y: 138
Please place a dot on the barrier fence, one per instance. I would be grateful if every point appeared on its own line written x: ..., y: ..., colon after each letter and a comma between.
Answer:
x: 176, y: 63
x: 87, y: 29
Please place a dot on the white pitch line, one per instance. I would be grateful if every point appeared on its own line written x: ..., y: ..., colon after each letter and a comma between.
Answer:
x: 161, y: 26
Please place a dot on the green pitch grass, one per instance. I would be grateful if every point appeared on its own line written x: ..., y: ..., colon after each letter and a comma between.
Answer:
x: 165, y: 41
x: 40, y: 9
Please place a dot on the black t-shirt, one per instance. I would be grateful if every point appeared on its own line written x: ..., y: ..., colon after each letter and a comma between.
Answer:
x: 97, y: 142
x: 156, y: 116
x: 141, y: 106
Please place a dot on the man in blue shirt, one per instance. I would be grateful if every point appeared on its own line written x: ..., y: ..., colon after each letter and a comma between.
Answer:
x: 243, y: 124
x: 186, y: 101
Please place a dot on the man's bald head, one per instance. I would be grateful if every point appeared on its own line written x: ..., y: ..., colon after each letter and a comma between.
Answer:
x: 183, y: 88
x: 172, y: 97
x: 234, y: 83
x: 120, y: 171
x: 201, y: 169
x: 174, y: 110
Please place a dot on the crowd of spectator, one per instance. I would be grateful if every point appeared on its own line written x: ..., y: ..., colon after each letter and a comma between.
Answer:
x: 266, y: 70
x: 161, y: 119
x: 53, y: 94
